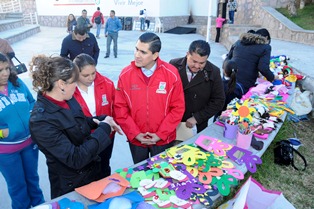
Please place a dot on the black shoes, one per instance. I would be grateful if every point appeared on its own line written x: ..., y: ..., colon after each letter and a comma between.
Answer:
x: 106, y: 56
x: 115, y: 56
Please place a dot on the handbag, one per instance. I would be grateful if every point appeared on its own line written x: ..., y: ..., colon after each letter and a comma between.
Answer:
x: 253, y: 195
x: 284, y: 154
x: 20, y: 68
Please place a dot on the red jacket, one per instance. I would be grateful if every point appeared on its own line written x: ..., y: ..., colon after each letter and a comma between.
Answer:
x: 104, y: 95
x: 156, y: 107
x: 96, y: 14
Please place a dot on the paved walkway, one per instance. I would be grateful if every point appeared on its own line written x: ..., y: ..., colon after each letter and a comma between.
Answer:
x: 48, y: 42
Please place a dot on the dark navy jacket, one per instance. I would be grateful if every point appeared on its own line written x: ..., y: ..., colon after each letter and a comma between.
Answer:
x: 252, y: 55
x: 64, y: 136
x: 71, y: 47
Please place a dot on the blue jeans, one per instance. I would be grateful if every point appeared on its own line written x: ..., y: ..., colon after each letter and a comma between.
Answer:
x: 114, y: 37
x: 20, y: 172
x: 231, y: 16
x: 98, y: 27
x: 142, y: 23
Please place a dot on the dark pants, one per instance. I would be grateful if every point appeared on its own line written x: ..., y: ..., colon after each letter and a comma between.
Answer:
x: 217, y: 34
x: 142, y: 153
x: 105, y: 161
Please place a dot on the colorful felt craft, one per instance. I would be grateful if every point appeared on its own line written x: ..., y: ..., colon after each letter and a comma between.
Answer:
x: 97, y: 190
x: 244, y: 156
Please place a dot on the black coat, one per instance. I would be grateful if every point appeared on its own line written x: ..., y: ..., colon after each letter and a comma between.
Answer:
x: 204, y: 95
x: 64, y: 136
x: 252, y: 55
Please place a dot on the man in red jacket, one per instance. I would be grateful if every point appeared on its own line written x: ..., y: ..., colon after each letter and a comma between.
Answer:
x: 149, y: 101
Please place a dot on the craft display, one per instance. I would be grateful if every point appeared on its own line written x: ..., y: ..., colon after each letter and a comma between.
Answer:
x: 198, y: 173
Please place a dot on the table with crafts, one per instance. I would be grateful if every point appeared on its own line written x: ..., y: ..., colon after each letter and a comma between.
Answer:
x: 197, y: 172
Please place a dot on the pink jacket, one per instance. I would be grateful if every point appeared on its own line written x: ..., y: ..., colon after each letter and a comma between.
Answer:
x: 219, y: 21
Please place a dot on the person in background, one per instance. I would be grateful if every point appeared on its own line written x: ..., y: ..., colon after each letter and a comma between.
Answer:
x: 6, y: 49
x: 202, y: 85
x: 18, y: 153
x: 61, y: 130
x: 80, y: 41
x: 71, y: 23
x: 142, y: 19
x: 95, y: 94
x: 232, y: 7
x: 112, y: 27
x: 251, y: 53
x: 149, y: 100
x: 83, y: 21
x: 99, y: 20
x: 219, y: 23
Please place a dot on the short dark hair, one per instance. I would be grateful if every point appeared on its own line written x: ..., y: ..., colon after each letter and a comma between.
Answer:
x: 80, y: 30
x: 113, y: 11
x: 265, y: 33
x: 83, y: 60
x: 153, y: 40
x: 98, y: 8
x: 84, y: 10
x: 200, y: 47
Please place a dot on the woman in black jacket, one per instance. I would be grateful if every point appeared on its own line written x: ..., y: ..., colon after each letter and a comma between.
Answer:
x: 252, y: 55
x: 61, y: 130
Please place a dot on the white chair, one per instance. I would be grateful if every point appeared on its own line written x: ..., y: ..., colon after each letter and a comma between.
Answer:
x: 158, y: 25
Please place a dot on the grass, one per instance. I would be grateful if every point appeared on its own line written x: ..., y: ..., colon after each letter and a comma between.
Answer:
x: 297, y: 186
x: 305, y: 17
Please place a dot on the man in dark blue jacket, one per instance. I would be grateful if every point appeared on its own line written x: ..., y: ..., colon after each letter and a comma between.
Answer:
x: 80, y: 41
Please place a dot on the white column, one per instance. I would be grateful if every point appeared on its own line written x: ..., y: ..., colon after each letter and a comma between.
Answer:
x: 212, y: 8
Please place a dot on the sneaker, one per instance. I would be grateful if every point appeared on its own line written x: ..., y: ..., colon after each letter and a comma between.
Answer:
x: 115, y: 56
x: 106, y: 56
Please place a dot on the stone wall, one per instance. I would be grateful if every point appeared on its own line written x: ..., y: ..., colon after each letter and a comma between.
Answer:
x: 60, y: 21
x: 254, y: 14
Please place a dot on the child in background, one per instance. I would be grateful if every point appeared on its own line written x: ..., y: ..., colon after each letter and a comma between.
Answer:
x: 219, y: 23
x: 232, y: 88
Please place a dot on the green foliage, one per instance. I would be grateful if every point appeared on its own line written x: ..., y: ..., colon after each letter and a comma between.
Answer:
x: 305, y: 17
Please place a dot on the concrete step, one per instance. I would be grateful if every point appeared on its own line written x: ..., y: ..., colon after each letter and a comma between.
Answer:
x: 16, y: 15
x: 17, y: 34
x: 10, y: 23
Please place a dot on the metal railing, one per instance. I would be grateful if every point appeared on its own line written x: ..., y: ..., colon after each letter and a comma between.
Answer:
x: 30, y: 18
x: 14, y: 6
x: 10, y: 6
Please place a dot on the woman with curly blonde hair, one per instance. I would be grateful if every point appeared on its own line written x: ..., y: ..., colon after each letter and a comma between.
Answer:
x: 60, y: 128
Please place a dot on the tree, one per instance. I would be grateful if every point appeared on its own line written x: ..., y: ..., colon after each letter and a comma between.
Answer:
x: 292, y: 8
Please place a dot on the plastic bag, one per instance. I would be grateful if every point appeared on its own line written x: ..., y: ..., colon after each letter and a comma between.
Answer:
x: 301, y: 103
x: 253, y: 195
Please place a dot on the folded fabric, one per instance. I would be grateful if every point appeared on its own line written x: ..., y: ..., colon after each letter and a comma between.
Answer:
x: 111, y: 186
x: 66, y: 203
x: 127, y: 201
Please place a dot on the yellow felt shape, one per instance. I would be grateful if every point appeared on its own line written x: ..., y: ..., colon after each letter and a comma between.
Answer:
x: 244, y: 111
